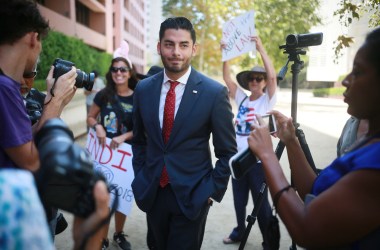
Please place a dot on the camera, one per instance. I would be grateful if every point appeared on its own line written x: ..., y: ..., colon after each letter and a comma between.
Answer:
x: 244, y: 160
x: 34, y: 102
x: 304, y: 40
x: 66, y: 177
x: 83, y: 79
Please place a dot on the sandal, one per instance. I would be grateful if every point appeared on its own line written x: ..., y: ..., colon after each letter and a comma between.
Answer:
x: 228, y: 240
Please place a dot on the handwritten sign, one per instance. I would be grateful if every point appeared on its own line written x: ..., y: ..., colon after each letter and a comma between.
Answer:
x: 116, y: 166
x: 236, y: 33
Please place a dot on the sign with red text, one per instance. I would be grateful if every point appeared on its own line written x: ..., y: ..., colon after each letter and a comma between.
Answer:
x: 116, y: 166
x: 236, y: 35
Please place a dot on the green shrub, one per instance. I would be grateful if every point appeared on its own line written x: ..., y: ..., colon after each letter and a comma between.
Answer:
x: 58, y: 45
x: 40, y: 84
x: 324, y: 92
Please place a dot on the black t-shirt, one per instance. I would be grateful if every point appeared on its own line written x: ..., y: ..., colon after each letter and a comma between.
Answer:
x: 112, y: 113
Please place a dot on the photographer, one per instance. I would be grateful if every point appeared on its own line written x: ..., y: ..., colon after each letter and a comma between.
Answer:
x: 20, y: 46
x: 339, y: 208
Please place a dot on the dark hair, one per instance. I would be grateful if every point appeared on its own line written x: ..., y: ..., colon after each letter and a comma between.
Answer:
x: 372, y: 45
x: 17, y: 18
x: 177, y: 23
x: 96, y: 73
x: 108, y: 93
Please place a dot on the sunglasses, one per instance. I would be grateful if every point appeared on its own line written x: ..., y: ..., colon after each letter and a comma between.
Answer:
x: 121, y: 69
x: 31, y: 74
x: 257, y: 79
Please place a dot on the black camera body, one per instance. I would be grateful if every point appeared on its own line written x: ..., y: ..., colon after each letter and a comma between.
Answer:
x: 66, y: 177
x: 304, y: 40
x: 83, y: 79
x: 34, y: 102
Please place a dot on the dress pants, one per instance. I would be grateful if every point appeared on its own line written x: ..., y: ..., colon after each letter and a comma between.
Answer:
x: 172, y: 230
x: 253, y: 181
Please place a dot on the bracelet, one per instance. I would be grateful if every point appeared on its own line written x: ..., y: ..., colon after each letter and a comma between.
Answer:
x: 94, y: 126
x: 277, y: 196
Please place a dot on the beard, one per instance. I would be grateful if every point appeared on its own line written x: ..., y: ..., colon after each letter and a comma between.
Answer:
x: 176, y: 68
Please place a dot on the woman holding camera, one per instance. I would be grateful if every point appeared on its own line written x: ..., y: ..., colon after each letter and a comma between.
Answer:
x: 339, y: 208
x: 114, y: 105
x: 262, y: 85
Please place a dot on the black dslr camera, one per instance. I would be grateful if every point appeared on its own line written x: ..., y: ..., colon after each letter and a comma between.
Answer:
x: 66, y: 177
x: 83, y: 79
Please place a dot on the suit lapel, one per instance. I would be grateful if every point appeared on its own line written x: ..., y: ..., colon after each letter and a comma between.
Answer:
x: 190, y: 96
x: 154, y: 101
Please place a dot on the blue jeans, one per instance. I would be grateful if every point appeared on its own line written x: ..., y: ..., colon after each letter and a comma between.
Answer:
x: 253, y: 181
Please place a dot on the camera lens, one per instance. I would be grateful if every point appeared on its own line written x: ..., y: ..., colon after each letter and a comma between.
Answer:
x: 84, y: 80
x: 291, y: 40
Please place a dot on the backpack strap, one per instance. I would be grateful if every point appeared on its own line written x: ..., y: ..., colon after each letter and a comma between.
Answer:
x: 242, y: 102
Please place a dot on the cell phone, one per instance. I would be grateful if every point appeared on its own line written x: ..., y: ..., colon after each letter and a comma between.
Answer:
x: 269, y: 119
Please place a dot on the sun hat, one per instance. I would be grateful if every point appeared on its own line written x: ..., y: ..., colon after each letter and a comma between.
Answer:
x: 242, y: 77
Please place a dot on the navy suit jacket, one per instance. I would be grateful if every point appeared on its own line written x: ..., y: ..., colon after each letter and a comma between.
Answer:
x: 204, y: 110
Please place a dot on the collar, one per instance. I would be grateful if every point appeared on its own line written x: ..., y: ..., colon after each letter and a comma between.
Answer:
x: 183, y: 79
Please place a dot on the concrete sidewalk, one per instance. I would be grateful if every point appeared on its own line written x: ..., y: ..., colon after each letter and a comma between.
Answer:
x: 321, y: 119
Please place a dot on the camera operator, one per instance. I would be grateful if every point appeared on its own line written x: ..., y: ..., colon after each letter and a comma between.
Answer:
x: 20, y: 46
x: 34, y: 102
x: 339, y: 208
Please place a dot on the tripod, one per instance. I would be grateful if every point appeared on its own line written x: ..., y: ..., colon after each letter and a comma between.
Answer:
x: 294, y: 56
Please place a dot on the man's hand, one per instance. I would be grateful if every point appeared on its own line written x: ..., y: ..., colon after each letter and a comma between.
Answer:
x: 82, y: 226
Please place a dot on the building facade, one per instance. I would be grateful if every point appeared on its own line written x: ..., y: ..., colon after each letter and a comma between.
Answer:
x: 101, y: 24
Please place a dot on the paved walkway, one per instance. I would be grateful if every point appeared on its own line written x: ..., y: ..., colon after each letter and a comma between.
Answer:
x: 321, y: 120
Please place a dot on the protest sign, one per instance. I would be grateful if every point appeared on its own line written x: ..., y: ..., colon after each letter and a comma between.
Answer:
x: 236, y: 33
x: 116, y: 166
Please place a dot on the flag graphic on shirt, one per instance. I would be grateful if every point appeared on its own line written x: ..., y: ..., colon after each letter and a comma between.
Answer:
x: 244, y: 119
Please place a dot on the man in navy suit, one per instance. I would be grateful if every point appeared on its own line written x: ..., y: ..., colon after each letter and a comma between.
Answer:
x: 177, y: 209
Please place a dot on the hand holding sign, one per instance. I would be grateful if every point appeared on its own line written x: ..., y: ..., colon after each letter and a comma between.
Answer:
x: 237, y: 33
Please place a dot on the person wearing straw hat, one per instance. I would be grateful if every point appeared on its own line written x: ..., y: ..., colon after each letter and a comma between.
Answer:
x: 261, y: 82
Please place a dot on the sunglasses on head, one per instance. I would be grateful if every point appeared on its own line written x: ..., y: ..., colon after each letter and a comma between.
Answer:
x: 31, y: 74
x: 257, y: 78
x: 121, y: 69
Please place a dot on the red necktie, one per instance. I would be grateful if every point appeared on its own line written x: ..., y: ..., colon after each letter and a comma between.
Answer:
x: 167, y: 125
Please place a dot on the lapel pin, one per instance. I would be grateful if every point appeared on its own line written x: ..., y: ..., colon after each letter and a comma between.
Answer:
x: 194, y: 91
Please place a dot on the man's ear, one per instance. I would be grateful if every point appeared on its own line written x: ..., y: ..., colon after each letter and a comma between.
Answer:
x: 159, y: 48
x: 33, y: 38
x: 195, y: 48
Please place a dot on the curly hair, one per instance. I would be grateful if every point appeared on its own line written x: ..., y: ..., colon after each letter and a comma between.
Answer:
x: 17, y: 18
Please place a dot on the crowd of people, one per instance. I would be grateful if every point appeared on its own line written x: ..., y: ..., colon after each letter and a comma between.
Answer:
x: 168, y: 117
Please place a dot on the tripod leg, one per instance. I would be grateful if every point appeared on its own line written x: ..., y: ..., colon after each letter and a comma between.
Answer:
x: 305, y: 148
x: 252, y: 218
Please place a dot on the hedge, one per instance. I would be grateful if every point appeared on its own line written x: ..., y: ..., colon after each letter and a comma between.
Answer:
x: 58, y: 45
x: 324, y: 92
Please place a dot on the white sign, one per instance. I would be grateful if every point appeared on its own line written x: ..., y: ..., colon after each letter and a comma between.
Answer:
x: 116, y: 166
x: 236, y: 33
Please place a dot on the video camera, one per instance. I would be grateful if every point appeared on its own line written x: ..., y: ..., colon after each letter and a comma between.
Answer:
x: 66, y: 177
x: 83, y: 79
x: 294, y: 41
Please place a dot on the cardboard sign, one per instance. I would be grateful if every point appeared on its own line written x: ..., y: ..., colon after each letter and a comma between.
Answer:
x: 116, y: 166
x: 236, y: 33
